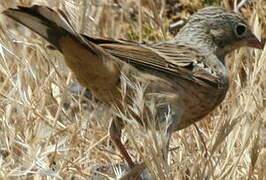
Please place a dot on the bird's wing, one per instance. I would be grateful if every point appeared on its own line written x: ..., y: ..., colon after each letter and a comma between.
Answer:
x: 169, y: 58
x: 172, y: 59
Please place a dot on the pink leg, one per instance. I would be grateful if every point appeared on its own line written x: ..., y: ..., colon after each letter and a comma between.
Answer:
x: 115, y: 134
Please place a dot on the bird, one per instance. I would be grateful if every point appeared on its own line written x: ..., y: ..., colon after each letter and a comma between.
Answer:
x: 185, y: 77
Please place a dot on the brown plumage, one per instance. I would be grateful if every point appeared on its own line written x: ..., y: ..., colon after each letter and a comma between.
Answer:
x: 185, y: 77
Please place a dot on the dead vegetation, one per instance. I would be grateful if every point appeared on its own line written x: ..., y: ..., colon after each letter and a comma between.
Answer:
x: 47, y: 132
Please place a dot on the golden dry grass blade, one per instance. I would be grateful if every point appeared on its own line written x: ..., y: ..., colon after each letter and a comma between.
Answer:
x: 48, y: 132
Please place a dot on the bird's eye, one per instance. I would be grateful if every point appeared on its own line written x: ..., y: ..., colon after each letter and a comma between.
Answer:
x: 240, y: 29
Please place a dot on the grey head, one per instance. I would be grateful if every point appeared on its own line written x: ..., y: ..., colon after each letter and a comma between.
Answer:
x: 217, y: 30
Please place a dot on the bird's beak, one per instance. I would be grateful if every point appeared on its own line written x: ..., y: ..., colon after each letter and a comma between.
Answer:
x: 254, y: 42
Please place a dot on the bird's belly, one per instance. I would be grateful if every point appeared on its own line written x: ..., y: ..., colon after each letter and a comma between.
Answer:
x: 198, y: 101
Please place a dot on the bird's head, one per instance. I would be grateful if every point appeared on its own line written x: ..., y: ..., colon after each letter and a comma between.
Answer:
x: 220, y: 28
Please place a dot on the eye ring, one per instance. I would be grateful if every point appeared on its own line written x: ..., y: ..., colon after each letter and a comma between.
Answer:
x: 240, y: 30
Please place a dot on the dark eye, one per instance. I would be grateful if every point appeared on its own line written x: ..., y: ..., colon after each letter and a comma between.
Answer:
x: 240, y: 29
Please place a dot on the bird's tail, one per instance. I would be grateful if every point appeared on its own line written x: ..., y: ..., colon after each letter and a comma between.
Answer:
x: 94, y: 67
x: 48, y: 23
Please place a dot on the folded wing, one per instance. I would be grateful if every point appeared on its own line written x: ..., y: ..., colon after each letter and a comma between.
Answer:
x: 172, y: 59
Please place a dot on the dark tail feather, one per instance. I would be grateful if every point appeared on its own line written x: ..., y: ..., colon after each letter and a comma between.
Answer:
x: 46, y: 22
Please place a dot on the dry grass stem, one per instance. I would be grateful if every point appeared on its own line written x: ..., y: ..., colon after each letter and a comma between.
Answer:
x: 49, y: 132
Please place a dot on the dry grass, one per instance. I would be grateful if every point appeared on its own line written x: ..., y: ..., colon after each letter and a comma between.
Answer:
x: 48, y: 133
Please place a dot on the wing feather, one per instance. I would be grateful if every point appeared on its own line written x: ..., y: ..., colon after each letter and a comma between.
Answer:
x: 177, y: 60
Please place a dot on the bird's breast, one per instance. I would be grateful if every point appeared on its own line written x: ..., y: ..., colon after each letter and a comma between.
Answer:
x: 198, y: 101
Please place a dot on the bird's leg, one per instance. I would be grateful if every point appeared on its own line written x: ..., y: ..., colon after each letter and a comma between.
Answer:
x: 115, y: 134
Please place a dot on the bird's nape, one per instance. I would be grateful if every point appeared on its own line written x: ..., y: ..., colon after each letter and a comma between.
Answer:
x: 185, y: 78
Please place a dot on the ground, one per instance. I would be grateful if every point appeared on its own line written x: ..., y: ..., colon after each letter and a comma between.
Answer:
x: 50, y: 130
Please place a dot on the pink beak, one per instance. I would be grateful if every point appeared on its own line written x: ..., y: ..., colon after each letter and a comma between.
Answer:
x: 255, y: 43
